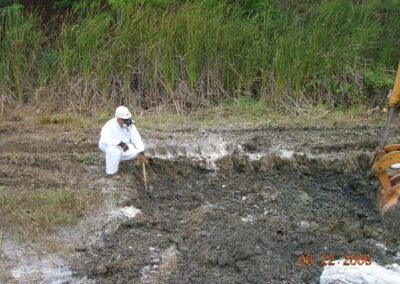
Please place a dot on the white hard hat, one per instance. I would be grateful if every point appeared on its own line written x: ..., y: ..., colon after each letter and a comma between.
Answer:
x: 122, y: 112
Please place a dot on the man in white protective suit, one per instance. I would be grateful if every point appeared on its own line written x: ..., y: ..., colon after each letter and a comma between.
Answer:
x: 120, y: 141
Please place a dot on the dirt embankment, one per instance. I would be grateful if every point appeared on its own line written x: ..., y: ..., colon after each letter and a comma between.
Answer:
x: 242, y: 211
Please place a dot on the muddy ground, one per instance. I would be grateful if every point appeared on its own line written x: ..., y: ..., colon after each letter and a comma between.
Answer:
x: 222, y: 205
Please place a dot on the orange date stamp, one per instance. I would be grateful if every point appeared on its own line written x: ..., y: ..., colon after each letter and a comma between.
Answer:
x: 307, y: 260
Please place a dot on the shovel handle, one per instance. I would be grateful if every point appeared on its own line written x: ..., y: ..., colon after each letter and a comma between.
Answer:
x: 144, y: 175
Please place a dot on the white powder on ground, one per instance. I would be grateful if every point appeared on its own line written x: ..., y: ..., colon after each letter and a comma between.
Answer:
x: 125, y: 212
x: 360, y: 274
x: 27, y: 266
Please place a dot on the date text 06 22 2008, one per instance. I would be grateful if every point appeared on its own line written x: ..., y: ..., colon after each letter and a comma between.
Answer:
x: 305, y: 260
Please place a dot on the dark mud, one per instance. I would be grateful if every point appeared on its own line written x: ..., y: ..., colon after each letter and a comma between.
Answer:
x: 246, y: 223
x: 241, y: 221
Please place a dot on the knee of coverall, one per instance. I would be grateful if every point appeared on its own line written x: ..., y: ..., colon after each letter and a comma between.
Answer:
x: 130, y: 154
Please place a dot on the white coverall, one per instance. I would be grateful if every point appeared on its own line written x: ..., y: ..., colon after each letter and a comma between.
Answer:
x: 111, y: 135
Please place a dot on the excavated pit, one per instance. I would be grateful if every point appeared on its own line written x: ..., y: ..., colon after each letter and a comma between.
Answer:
x: 232, y: 211
x: 246, y: 221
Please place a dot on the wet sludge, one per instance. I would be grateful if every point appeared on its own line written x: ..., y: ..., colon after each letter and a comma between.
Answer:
x: 244, y: 221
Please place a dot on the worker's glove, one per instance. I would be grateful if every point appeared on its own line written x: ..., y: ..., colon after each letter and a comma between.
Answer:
x: 124, y: 146
x: 143, y: 159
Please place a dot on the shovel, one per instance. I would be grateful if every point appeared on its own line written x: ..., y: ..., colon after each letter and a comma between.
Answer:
x: 142, y: 160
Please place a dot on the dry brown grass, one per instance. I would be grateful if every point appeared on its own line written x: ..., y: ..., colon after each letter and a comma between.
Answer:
x: 61, y: 120
x: 253, y: 115
x: 238, y: 114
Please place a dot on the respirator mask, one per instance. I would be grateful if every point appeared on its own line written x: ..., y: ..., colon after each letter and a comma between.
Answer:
x: 127, y: 123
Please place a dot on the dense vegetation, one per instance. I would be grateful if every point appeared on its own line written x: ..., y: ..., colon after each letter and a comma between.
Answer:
x: 190, y: 54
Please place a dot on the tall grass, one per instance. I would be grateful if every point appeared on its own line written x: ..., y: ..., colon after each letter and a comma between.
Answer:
x: 187, y: 55
x: 20, y: 42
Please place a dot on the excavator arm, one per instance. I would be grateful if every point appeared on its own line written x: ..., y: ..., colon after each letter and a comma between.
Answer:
x: 394, y: 100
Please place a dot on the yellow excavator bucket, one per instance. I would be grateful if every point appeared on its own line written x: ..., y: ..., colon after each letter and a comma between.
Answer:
x: 385, y: 158
x: 389, y: 192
